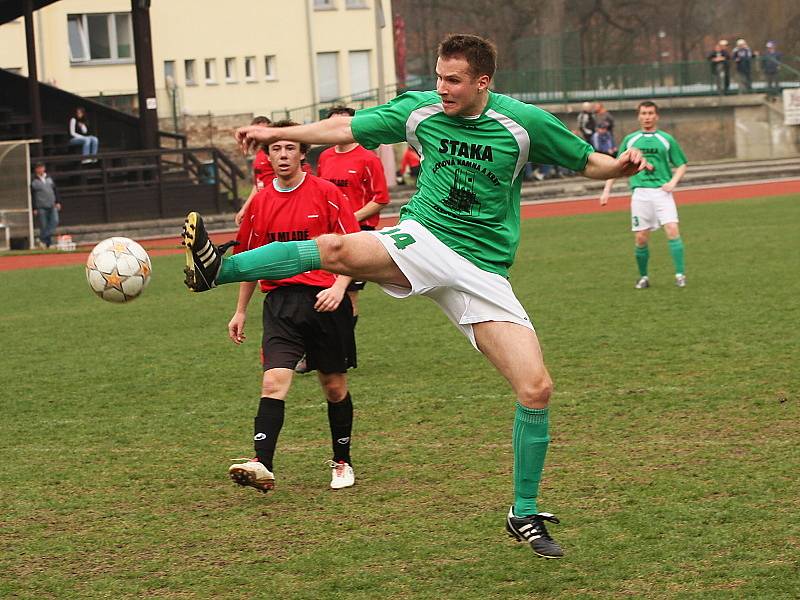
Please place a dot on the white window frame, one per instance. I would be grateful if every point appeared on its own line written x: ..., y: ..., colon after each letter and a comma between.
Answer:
x: 324, y: 4
x: 270, y: 67
x: 210, y: 74
x: 83, y: 31
x: 174, y: 71
x: 355, y: 4
x: 186, y: 64
x: 250, y: 65
x: 230, y: 70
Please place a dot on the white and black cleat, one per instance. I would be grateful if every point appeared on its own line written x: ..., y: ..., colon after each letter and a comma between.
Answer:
x: 532, y: 530
x: 203, y: 259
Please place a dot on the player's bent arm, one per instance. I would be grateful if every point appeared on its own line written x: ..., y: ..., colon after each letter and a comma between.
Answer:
x: 328, y: 131
x: 329, y: 299
x: 676, y: 177
x: 369, y: 209
x: 602, y: 166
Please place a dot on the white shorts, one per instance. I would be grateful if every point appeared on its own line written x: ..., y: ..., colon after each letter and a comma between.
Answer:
x: 466, y: 293
x: 651, y: 208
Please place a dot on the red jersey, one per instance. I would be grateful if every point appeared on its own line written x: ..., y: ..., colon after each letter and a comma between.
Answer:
x: 263, y: 173
x: 311, y: 209
x: 359, y: 174
x: 410, y: 159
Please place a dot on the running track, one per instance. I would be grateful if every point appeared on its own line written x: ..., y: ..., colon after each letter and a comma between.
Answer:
x: 556, y: 208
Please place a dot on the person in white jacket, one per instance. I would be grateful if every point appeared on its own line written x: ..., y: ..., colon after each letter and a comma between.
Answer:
x: 79, y: 132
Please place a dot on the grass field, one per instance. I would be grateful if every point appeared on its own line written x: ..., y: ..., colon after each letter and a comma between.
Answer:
x: 673, y: 467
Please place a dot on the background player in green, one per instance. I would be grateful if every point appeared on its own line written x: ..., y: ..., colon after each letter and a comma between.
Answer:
x: 456, y: 238
x: 652, y: 203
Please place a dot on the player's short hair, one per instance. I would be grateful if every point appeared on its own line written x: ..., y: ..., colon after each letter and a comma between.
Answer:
x: 480, y: 53
x: 38, y: 164
x: 261, y: 120
x: 341, y: 110
x: 304, y: 148
x: 646, y: 104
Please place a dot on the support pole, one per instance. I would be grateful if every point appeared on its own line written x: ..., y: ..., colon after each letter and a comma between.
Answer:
x: 33, y: 80
x: 145, y: 78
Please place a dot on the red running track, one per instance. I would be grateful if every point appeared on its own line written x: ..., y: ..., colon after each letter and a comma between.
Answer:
x: 557, y: 208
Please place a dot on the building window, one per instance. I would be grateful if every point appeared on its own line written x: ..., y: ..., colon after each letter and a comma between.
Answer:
x: 188, y: 72
x: 211, y: 70
x: 169, y: 72
x: 230, y: 70
x: 355, y: 4
x: 324, y: 5
x: 100, y: 37
x: 328, y: 75
x: 249, y: 68
x: 360, y: 80
x: 270, y: 72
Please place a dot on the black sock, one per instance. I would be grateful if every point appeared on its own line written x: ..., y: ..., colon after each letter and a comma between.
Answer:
x: 267, y: 426
x: 355, y: 321
x: 340, y: 417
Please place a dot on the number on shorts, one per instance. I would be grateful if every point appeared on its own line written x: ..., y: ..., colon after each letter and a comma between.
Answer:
x: 635, y: 221
x: 401, y: 240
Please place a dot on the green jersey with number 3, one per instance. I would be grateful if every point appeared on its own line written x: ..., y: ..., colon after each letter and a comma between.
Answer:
x: 471, y: 168
x: 661, y: 150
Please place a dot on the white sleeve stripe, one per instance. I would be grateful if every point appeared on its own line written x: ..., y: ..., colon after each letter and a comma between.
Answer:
x: 632, y: 141
x: 520, y: 135
x: 413, y: 121
x: 333, y: 205
x: 663, y: 140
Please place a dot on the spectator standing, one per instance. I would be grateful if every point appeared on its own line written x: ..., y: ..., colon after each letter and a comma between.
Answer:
x: 743, y: 57
x: 603, y: 118
x: 80, y: 136
x: 46, y: 204
x: 719, y: 59
x: 586, y: 121
x: 603, y: 140
x: 771, y: 64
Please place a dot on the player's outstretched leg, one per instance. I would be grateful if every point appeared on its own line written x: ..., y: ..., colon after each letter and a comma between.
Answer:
x: 203, y: 259
x: 206, y: 267
x: 533, y: 531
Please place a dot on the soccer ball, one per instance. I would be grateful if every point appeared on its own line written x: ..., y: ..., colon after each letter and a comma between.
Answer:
x: 118, y: 269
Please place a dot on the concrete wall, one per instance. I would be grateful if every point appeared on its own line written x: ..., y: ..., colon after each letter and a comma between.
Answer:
x: 710, y: 128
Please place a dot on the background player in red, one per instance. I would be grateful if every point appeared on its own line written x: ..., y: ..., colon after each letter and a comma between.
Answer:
x: 306, y: 314
x: 359, y: 174
x: 410, y: 163
x: 263, y: 173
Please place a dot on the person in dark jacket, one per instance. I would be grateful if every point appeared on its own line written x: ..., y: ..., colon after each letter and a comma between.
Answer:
x: 79, y: 135
x: 46, y: 204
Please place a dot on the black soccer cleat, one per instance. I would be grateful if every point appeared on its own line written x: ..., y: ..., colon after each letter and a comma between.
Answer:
x: 203, y: 259
x: 532, y: 530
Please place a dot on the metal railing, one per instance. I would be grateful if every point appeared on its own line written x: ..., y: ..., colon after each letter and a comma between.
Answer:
x: 605, y: 82
x: 145, y: 184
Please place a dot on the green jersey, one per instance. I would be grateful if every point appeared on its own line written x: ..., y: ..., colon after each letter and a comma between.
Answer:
x: 661, y: 150
x: 471, y: 168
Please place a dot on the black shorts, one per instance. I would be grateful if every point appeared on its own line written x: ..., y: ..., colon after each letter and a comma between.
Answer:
x: 356, y: 286
x: 293, y: 328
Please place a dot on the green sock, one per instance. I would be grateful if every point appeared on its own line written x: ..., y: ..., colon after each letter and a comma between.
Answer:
x: 530, y: 441
x: 676, y: 251
x: 276, y: 260
x: 642, y: 256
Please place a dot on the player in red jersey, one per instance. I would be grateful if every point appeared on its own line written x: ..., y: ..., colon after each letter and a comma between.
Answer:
x: 359, y: 174
x: 306, y: 314
x: 263, y: 173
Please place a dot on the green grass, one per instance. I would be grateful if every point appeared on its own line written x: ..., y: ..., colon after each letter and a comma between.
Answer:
x: 673, y: 467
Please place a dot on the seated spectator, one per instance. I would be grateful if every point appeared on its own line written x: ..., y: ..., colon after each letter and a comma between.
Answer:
x: 79, y: 132
x: 46, y: 204
x: 603, y: 140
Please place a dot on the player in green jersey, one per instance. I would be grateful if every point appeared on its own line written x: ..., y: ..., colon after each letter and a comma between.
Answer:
x: 456, y: 238
x: 652, y: 203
